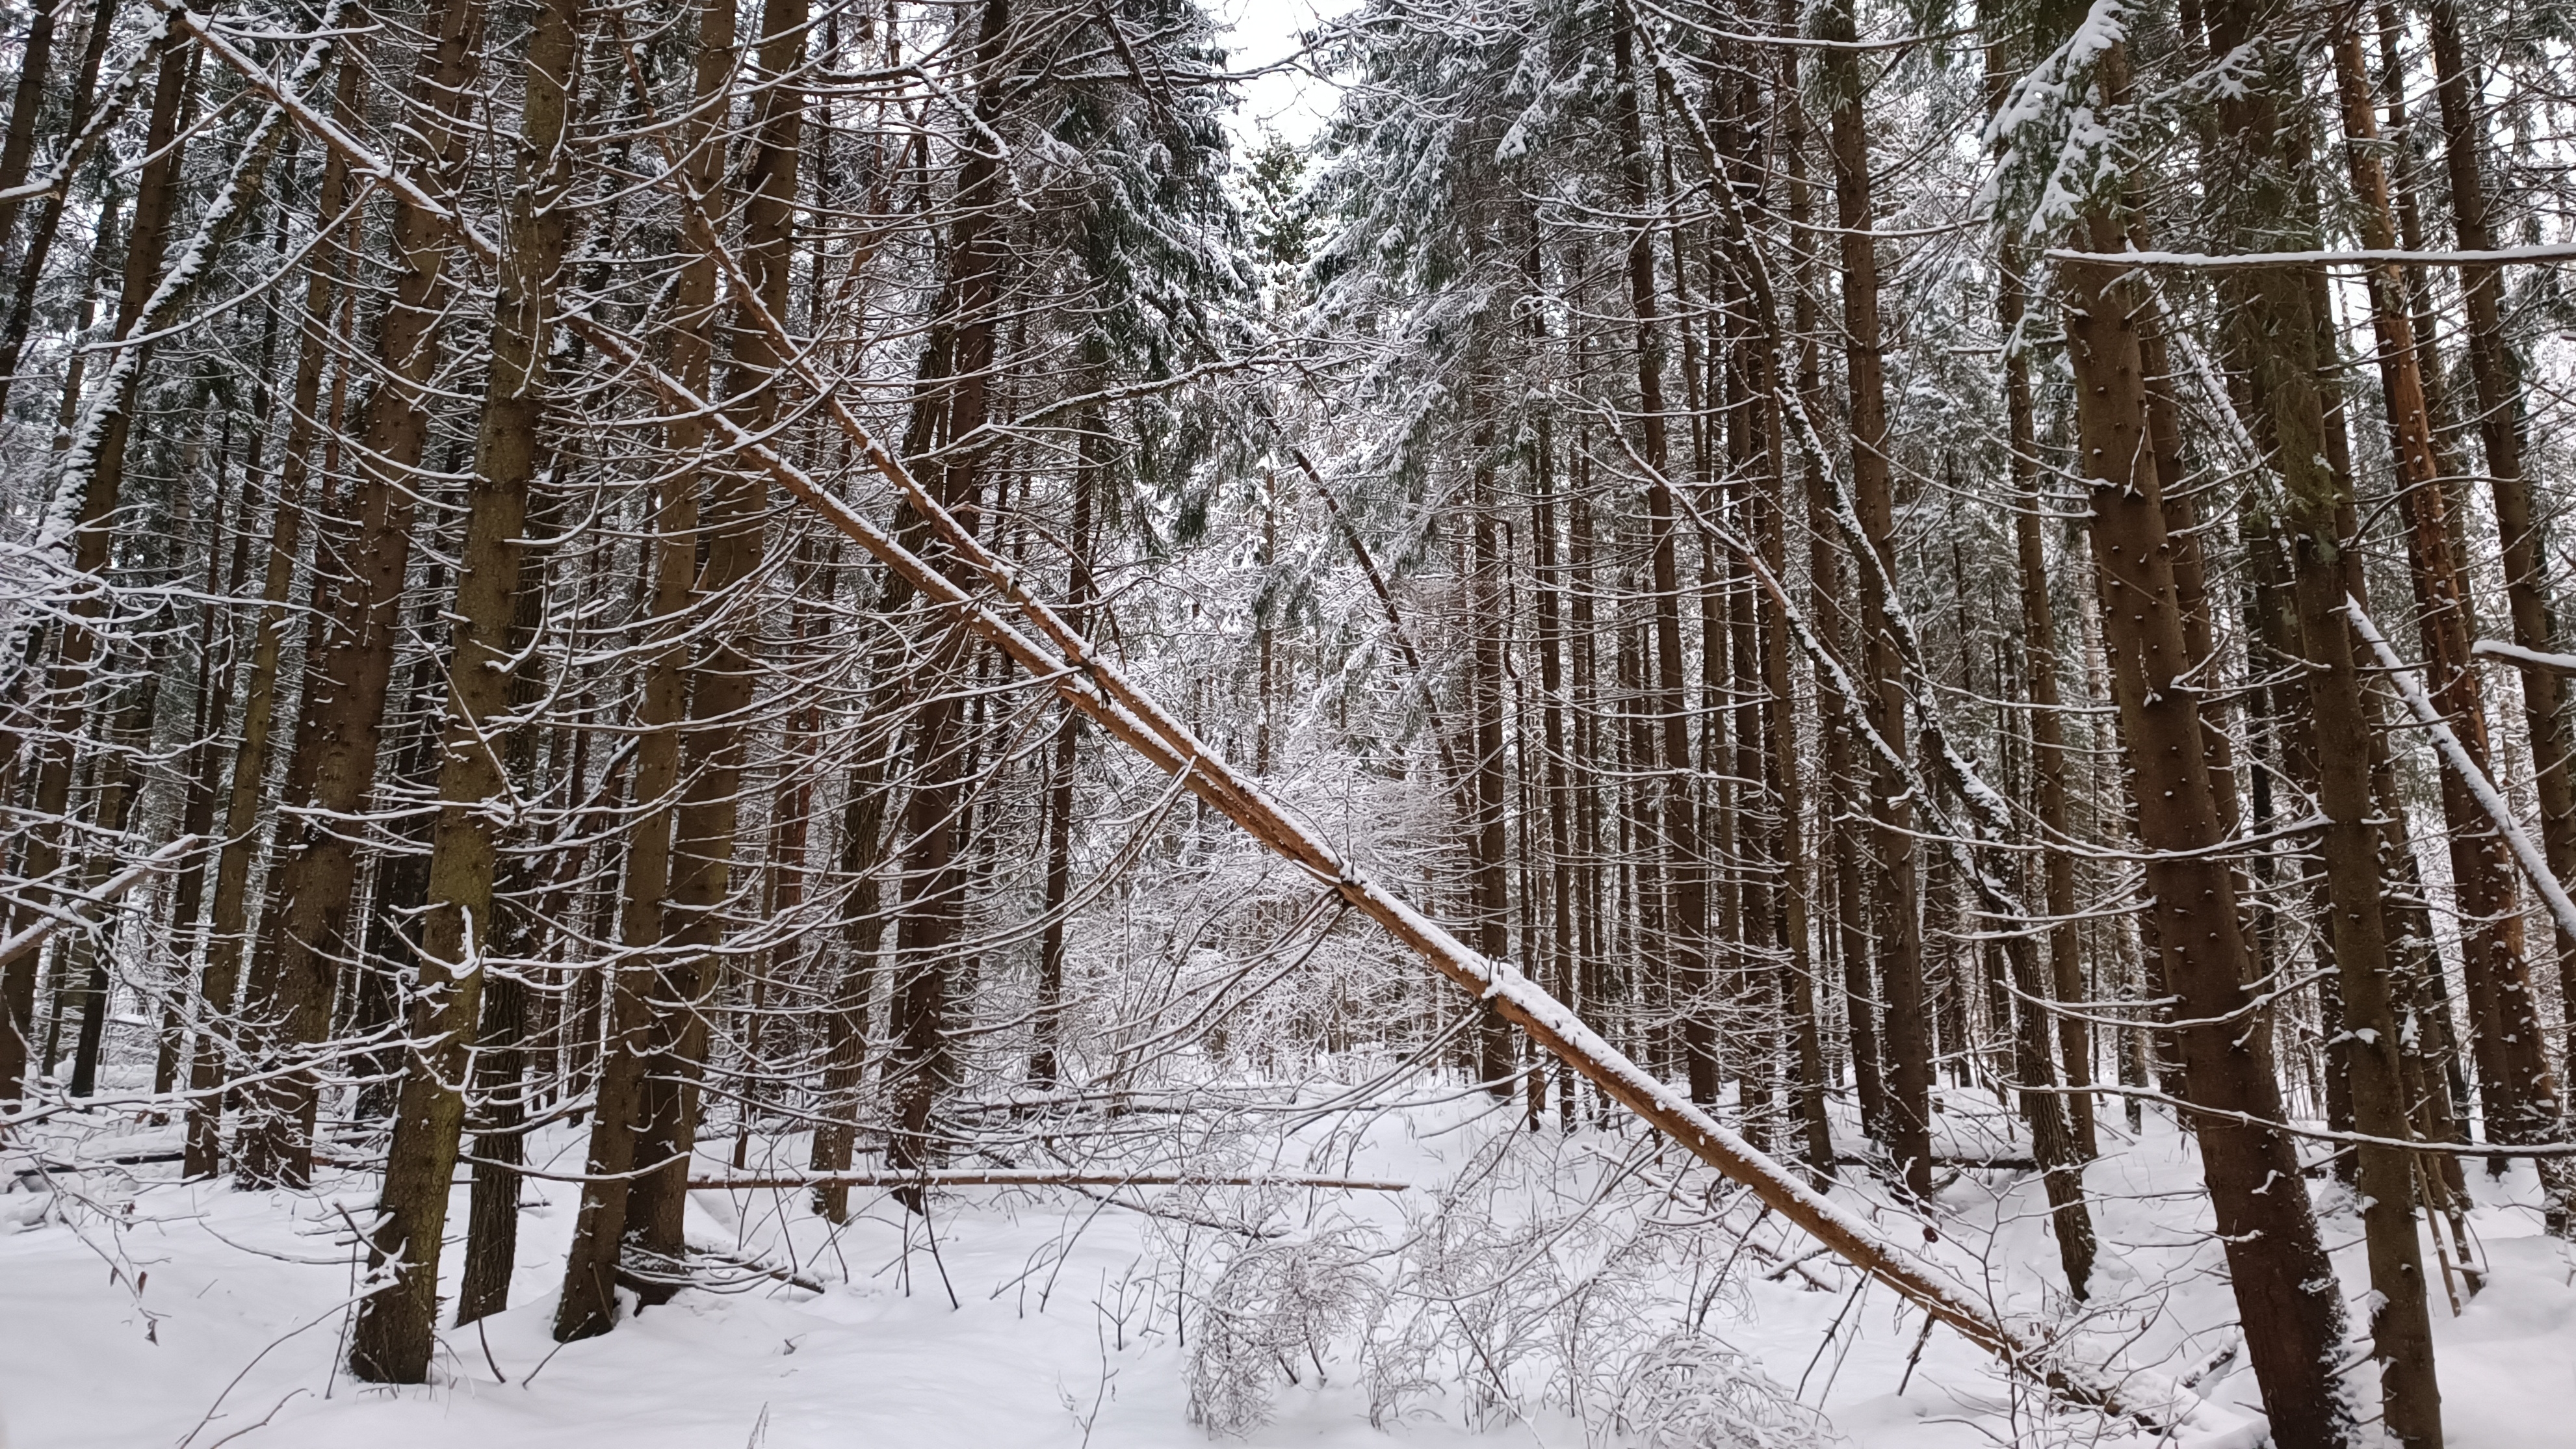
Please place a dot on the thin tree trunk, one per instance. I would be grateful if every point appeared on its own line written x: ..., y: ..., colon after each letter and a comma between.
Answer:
x: 49, y: 217
x: 2047, y: 729
x: 934, y: 878
x: 248, y: 788
x: 103, y: 461
x: 1488, y: 869
x: 2493, y: 368
x: 1685, y: 876
x: 35, y: 65
x: 1900, y: 954
x: 724, y: 677
x: 1090, y: 463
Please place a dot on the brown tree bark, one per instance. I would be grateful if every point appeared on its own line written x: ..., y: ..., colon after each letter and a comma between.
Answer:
x: 1900, y: 944
x: 1845, y: 849
x: 2497, y: 377
x: 1682, y: 866
x: 230, y: 912
x: 350, y: 661
x: 49, y: 217
x: 724, y: 677
x: 1489, y: 881
x: 35, y: 66
x: 2047, y: 728
x: 2286, y: 1294
x: 635, y: 976
x: 1090, y: 464
x: 101, y: 477
x: 2517, y: 1084
x: 396, y: 1331
x: 934, y: 876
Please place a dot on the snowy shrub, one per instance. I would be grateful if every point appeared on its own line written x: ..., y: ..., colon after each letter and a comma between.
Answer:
x: 1275, y: 1303
x: 1690, y: 1391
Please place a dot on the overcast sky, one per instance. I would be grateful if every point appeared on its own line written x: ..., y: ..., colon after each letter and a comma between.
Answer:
x: 1290, y: 102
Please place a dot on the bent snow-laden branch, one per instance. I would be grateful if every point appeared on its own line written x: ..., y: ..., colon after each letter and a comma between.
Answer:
x: 2534, y: 865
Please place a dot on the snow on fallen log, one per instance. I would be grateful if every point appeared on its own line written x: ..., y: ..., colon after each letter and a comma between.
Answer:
x: 79, y: 902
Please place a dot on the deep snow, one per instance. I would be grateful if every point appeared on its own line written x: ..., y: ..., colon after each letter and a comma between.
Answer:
x: 157, y: 1313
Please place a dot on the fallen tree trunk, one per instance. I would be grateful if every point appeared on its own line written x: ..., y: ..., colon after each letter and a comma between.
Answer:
x: 82, y: 908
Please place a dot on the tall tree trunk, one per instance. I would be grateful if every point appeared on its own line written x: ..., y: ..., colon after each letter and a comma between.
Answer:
x: 396, y: 1331
x: 214, y: 662
x: 1684, y: 871
x: 2286, y: 1294
x: 49, y: 217
x: 1090, y: 463
x: 1489, y: 882
x: 35, y: 66
x: 1557, y: 792
x: 621, y: 1119
x: 1841, y: 773
x: 2493, y: 368
x: 1900, y: 954
x: 350, y: 661
x: 934, y: 876
x: 845, y: 1024
x: 86, y: 957
x: 2047, y: 729
x: 103, y: 461
x: 507, y: 1029
x: 2272, y: 314
x: 724, y: 677
x: 248, y: 787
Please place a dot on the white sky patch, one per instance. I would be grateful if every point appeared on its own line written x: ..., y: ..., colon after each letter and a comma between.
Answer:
x: 1290, y: 101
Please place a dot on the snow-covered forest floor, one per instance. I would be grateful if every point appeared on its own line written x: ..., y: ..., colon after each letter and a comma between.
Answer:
x: 136, y: 1310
